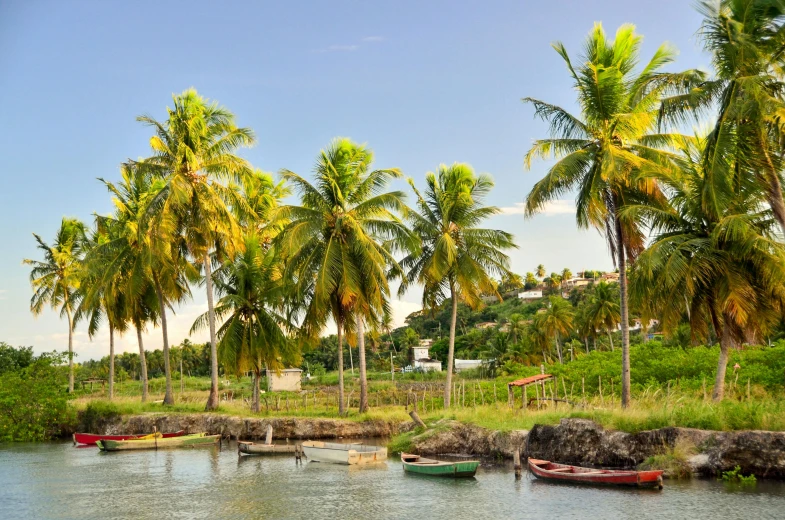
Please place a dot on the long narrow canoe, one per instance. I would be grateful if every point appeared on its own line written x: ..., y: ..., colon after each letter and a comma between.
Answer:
x: 565, y: 473
x: 252, y: 448
x: 92, y: 438
x: 186, y: 441
x: 438, y: 468
x: 350, y: 454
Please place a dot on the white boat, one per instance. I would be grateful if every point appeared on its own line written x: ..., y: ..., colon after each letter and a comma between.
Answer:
x: 350, y: 454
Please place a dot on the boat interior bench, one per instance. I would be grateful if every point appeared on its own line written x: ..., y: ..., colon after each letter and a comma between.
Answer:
x: 561, y: 470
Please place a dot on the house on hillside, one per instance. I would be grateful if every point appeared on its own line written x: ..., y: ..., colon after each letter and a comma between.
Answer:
x: 422, y: 358
x: 485, y: 325
x: 610, y: 277
x: 530, y: 295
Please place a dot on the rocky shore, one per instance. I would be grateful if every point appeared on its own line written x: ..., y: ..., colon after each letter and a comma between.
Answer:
x: 583, y: 442
x: 242, y: 428
x: 572, y: 441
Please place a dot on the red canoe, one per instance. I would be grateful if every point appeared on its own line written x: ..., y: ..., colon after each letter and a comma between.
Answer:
x: 90, y: 438
x: 564, y: 472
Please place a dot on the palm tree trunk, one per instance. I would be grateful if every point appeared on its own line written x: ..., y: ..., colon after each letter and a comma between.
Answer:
x: 256, y: 405
x: 212, y: 400
x: 594, y: 340
x: 558, y: 350
x: 142, y: 363
x: 361, y: 350
x: 341, y: 407
x: 111, y: 360
x: 70, y: 350
x: 722, y: 365
x: 169, y: 395
x: 610, y: 339
x: 625, y: 321
x: 774, y: 187
x: 451, y: 348
x: 586, y: 343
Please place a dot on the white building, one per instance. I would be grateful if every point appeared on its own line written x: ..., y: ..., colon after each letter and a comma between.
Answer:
x: 286, y: 380
x: 422, y: 358
x: 530, y: 295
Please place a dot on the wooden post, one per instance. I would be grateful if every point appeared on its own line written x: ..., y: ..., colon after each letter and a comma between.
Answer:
x: 599, y: 379
x: 516, y: 457
x: 537, y: 391
x: 416, y: 419
x: 510, y: 396
x: 268, y: 438
x: 583, y: 390
x: 494, y: 392
x: 748, y: 389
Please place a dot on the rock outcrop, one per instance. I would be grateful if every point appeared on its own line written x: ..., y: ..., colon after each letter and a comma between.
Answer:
x: 583, y: 442
x: 245, y: 428
x: 452, y: 437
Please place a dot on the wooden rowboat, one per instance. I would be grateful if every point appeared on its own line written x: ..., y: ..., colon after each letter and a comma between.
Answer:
x: 253, y: 448
x: 92, y: 438
x: 350, y: 454
x: 185, y: 441
x: 563, y: 472
x: 438, y: 468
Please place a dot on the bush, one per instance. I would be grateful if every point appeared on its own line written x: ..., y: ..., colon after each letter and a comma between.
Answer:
x: 34, y: 401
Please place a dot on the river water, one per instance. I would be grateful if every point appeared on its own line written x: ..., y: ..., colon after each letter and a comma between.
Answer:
x: 59, y: 481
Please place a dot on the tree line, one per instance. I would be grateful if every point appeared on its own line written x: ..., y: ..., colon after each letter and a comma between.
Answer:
x: 196, y: 213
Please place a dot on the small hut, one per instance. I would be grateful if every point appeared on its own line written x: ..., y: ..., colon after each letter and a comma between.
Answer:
x: 285, y: 380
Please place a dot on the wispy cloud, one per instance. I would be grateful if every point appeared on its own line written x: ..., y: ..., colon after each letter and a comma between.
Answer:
x: 2, y: 293
x: 373, y: 39
x: 555, y: 207
x: 339, y: 48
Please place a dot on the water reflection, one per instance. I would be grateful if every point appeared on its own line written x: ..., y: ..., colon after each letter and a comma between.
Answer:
x: 59, y: 481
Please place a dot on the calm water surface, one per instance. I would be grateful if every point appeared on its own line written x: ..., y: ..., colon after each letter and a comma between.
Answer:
x: 56, y: 480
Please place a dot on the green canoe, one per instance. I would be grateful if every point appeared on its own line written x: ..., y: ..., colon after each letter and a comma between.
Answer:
x: 186, y: 441
x: 438, y: 468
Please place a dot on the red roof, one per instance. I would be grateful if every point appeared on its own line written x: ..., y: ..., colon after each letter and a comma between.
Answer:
x: 529, y: 380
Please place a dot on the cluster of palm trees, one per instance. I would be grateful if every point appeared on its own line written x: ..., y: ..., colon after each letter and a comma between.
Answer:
x: 712, y: 204
x: 196, y: 213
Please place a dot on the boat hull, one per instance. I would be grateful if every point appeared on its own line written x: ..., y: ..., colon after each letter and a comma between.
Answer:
x: 186, y: 441
x: 251, y: 448
x: 91, y: 438
x: 347, y: 454
x: 435, y: 468
x: 575, y: 474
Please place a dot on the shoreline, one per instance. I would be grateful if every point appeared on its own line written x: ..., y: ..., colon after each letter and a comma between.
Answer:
x: 681, y: 452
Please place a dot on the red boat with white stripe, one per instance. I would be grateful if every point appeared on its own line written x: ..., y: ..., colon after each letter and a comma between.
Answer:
x: 565, y: 473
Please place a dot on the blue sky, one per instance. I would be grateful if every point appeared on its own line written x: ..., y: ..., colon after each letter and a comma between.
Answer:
x: 422, y: 83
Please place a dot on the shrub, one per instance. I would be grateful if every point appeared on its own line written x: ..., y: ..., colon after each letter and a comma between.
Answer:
x: 34, y: 402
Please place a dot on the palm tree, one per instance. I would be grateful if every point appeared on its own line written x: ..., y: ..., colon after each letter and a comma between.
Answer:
x: 601, y: 153
x: 338, y: 246
x: 715, y: 249
x: 540, y: 272
x: 518, y: 325
x: 530, y: 280
x: 192, y: 150
x: 129, y: 264
x: 745, y: 38
x: 556, y: 321
x: 603, y: 312
x: 56, y: 279
x: 566, y: 274
x: 102, y: 292
x: 255, y: 334
x: 457, y: 257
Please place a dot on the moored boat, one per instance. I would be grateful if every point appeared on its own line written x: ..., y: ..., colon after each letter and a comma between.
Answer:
x: 185, y: 441
x: 255, y: 448
x: 92, y: 438
x: 438, y: 468
x: 350, y: 454
x: 565, y: 473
